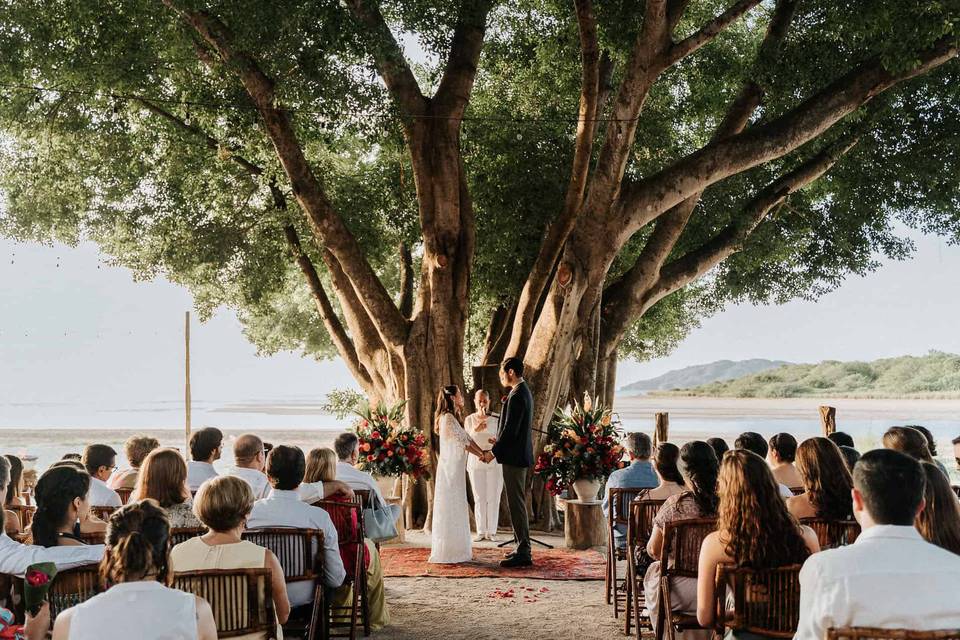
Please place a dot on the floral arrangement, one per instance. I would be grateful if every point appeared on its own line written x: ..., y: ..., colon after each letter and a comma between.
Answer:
x: 582, y: 442
x: 387, y: 448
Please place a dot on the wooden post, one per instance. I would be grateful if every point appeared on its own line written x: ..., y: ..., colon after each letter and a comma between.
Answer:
x: 661, y: 428
x: 186, y: 386
x: 828, y: 419
x: 584, y: 525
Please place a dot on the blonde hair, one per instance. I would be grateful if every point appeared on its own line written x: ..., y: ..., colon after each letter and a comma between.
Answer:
x: 321, y: 465
x: 222, y: 503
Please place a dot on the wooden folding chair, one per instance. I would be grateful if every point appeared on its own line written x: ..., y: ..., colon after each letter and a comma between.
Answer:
x: 639, y: 529
x: 680, y: 558
x: 73, y: 586
x: 24, y: 514
x: 342, y: 621
x: 765, y: 602
x: 241, y: 599
x: 300, y: 553
x: 833, y: 533
x: 797, y: 490
x: 124, y: 494
x: 869, y: 633
x: 103, y: 513
x: 182, y: 534
x: 618, y: 513
x: 365, y: 496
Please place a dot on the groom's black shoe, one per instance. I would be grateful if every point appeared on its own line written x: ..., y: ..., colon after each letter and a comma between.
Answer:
x: 515, y: 561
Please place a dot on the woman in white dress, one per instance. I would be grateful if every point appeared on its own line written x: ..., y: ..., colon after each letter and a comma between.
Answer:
x: 450, y: 541
x: 486, y: 479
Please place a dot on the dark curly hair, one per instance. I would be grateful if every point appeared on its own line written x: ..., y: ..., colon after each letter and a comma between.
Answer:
x: 753, y: 520
x: 56, y: 490
x: 699, y: 466
x: 138, y: 545
x: 826, y: 478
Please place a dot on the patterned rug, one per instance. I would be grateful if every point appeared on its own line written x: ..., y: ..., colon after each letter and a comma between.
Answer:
x: 550, y: 564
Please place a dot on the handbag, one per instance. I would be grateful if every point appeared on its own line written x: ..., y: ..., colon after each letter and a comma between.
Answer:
x: 378, y: 522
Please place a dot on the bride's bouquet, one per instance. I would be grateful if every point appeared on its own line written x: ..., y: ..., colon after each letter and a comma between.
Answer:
x: 387, y: 447
x: 582, y: 443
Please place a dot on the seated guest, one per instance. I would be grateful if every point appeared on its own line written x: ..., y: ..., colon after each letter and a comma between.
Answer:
x: 71, y: 456
x: 11, y: 523
x: 668, y: 473
x: 100, y: 460
x: 780, y: 456
x: 206, y: 446
x: 931, y: 445
x: 719, y: 445
x: 163, y: 477
x: 842, y: 439
x: 956, y: 450
x: 850, y: 456
x: 909, y: 441
x: 347, y: 446
x: 826, y: 482
x: 754, y: 528
x: 16, y: 557
x: 939, y: 522
x: 638, y: 475
x: 754, y: 442
x: 249, y: 460
x: 63, y: 508
x: 699, y: 466
x: 137, y: 575
x: 324, y: 463
x: 136, y: 449
x: 223, y: 505
x: 890, y: 577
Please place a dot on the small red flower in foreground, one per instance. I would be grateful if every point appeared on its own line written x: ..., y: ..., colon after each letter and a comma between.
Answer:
x: 36, y: 578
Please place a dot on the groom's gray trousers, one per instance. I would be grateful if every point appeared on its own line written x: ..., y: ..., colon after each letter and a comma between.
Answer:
x: 515, y: 486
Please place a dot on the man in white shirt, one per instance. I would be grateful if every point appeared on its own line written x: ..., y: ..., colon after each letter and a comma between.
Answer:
x: 347, y: 446
x: 890, y: 577
x: 100, y: 461
x: 206, y: 446
x: 752, y: 441
x: 16, y: 557
x: 283, y: 508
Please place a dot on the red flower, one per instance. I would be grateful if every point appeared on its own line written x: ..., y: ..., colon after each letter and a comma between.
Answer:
x: 36, y: 578
x: 370, y: 458
x: 375, y: 435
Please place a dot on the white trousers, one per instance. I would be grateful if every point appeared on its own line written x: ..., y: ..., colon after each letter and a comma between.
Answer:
x: 487, y: 483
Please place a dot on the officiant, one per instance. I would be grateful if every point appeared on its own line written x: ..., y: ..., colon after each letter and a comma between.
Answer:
x: 486, y: 479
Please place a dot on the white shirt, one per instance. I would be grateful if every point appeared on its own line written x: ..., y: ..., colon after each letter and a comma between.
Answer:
x: 256, y: 479
x: 16, y: 557
x: 357, y: 479
x: 310, y: 491
x: 482, y: 440
x: 101, y: 495
x: 285, y: 509
x: 170, y: 614
x: 889, y: 578
x: 784, y: 490
x: 199, y: 472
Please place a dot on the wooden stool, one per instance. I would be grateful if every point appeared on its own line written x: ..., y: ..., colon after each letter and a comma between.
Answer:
x: 584, y: 525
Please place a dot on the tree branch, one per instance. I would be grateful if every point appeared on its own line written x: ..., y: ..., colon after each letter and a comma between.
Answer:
x: 453, y: 93
x: 711, y: 30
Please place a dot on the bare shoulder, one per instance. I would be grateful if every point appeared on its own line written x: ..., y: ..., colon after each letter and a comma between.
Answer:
x: 61, y: 627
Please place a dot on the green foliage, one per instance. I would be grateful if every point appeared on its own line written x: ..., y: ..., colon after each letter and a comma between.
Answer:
x: 343, y: 402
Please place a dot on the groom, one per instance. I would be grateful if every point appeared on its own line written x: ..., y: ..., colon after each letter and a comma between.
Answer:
x: 513, y: 449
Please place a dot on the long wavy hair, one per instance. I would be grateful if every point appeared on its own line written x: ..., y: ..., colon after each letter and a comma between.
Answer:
x: 446, y: 403
x: 760, y: 533
x: 939, y: 522
x: 55, y: 492
x: 16, y: 475
x: 909, y: 441
x: 826, y: 478
x: 138, y: 545
x: 665, y: 461
x: 699, y: 468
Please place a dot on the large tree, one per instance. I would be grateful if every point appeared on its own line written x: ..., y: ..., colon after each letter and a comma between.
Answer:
x: 556, y: 180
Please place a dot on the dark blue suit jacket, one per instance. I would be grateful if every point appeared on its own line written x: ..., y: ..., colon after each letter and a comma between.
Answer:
x: 514, y: 445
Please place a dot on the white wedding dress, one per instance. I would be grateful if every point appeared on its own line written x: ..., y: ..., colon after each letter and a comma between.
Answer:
x: 450, y: 541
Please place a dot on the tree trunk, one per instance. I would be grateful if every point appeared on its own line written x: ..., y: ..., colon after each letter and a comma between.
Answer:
x: 607, y: 379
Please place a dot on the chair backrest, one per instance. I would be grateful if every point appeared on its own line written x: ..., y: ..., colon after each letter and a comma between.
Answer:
x: 833, y: 533
x: 765, y: 602
x: 682, y: 539
x: 124, y: 494
x: 343, y: 513
x: 182, y: 534
x: 94, y: 537
x: 365, y: 496
x: 640, y: 524
x: 73, y: 586
x: 869, y: 633
x: 797, y: 490
x: 618, y: 505
x: 299, y: 551
x: 103, y: 513
x: 24, y: 514
x: 956, y: 489
x: 241, y: 599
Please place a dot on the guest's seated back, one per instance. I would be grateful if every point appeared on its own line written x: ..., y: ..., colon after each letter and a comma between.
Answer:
x: 670, y: 480
x: 138, y: 601
x: 826, y: 482
x: 754, y: 528
x: 63, y: 508
x: 909, y: 441
x: 939, y: 522
x: 754, y: 442
x: 136, y: 448
x: 206, y: 446
x: 639, y: 474
x: 890, y: 577
x: 322, y: 467
x: 719, y: 445
x: 782, y: 452
x: 163, y: 477
x: 931, y: 446
x: 223, y: 505
x: 100, y: 461
x: 249, y: 458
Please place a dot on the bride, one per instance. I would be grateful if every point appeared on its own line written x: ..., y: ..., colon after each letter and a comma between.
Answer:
x: 450, y: 541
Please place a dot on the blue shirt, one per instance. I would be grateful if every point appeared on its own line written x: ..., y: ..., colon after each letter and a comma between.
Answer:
x: 639, y: 475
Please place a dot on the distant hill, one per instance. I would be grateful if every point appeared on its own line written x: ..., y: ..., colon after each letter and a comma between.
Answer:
x: 935, y: 375
x: 702, y: 374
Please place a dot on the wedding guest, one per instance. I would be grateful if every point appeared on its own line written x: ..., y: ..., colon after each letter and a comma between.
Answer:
x: 486, y: 479
x: 850, y: 456
x: 956, y: 451
x: 842, y: 439
x: 347, y: 446
x: 780, y: 456
x: 223, y: 505
x: 719, y: 445
x: 16, y: 557
x: 323, y: 464
x: 138, y: 574
x: 63, y: 508
x: 163, y: 477
x: 100, y: 461
x: 890, y: 577
x: 206, y: 445
x: 136, y: 449
x: 249, y: 460
x: 754, y: 442
x: 639, y: 474
x: 754, y: 528
x: 826, y: 482
x: 909, y: 441
x: 939, y: 521
x: 699, y: 466
x: 11, y: 521
x: 669, y: 478
x: 931, y: 446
